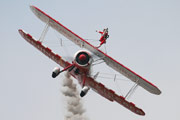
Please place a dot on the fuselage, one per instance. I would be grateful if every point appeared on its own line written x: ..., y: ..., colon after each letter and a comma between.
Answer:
x: 82, y: 65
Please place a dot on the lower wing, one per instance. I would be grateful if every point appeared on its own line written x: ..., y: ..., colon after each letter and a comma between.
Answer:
x: 112, y: 96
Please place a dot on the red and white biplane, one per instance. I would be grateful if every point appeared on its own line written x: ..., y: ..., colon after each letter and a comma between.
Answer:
x: 81, y: 65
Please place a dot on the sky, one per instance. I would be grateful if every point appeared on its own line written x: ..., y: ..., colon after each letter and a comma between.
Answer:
x: 144, y: 36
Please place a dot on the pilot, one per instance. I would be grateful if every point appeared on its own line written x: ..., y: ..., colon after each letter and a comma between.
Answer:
x: 104, y: 36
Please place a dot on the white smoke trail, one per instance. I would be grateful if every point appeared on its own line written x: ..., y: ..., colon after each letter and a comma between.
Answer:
x: 74, y: 104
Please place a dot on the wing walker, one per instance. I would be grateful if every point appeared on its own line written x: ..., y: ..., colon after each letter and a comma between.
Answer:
x: 81, y: 65
x: 104, y: 36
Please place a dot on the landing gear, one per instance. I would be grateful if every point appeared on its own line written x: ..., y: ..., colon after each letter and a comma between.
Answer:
x: 84, y: 91
x: 57, y: 71
x: 82, y: 94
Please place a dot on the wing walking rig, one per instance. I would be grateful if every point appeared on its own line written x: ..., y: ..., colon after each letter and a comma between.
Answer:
x: 80, y: 67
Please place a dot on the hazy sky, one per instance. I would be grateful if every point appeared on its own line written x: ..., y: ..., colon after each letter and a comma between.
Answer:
x: 144, y: 36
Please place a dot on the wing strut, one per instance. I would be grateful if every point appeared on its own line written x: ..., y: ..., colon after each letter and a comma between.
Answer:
x: 46, y: 28
x: 131, y: 91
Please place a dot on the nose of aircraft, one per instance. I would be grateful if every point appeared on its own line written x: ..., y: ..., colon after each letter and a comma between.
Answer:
x: 82, y: 57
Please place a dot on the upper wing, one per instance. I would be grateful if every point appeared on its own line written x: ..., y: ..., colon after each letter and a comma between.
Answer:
x: 112, y: 96
x: 48, y: 52
x: 83, y: 43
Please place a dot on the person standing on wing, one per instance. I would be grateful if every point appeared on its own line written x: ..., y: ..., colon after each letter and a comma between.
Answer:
x: 104, y: 36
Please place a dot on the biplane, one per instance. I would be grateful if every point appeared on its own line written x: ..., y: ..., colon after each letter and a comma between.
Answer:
x: 80, y: 67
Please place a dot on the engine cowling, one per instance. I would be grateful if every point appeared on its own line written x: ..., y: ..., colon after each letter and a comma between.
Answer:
x: 55, y: 72
x: 84, y: 91
x: 83, y: 58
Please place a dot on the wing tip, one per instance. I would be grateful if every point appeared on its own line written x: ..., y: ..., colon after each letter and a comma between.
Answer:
x: 155, y: 91
x: 142, y: 113
x: 158, y: 91
x: 32, y: 7
x: 20, y: 32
